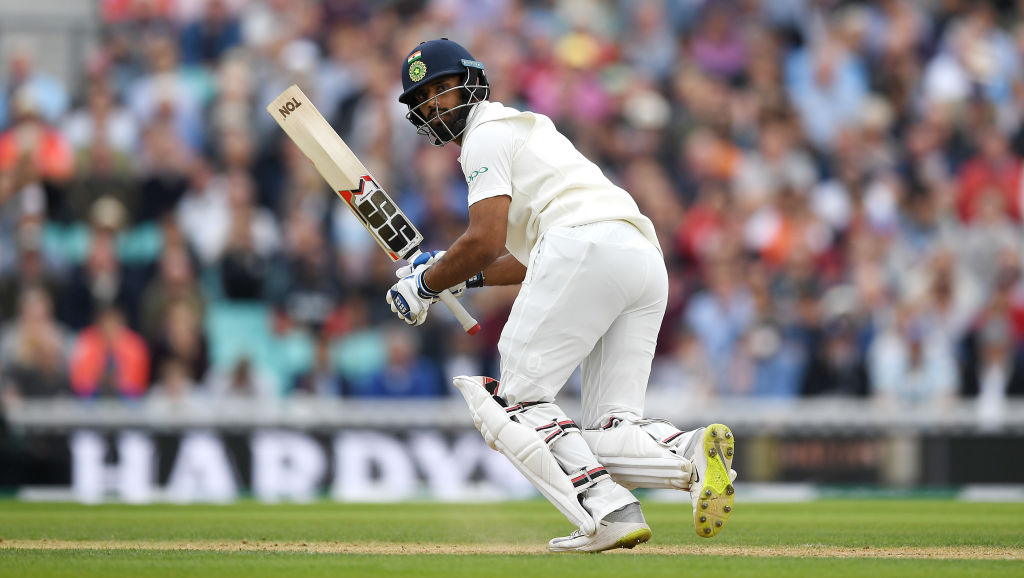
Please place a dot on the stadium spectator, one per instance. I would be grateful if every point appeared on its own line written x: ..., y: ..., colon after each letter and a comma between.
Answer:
x: 994, y: 171
x: 174, y: 391
x: 404, y: 373
x: 49, y: 95
x: 993, y: 370
x: 168, y: 93
x: 769, y: 360
x: 250, y: 243
x: 203, y: 212
x: 180, y: 338
x: 908, y: 367
x: 718, y: 45
x: 269, y: 25
x: 655, y: 50
x: 104, y: 137
x: 306, y: 286
x: 174, y: 282
x: 101, y: 280
x: 828, y: 84
x: 975, y: 57
x: 233, y: 107
x: 703, y: 226
x: 109, y: 359
x: 241, y: 386
x: 322, y: 379
x: 684, y: 372
x: 720, y: 315
x: 775, y: 165
x: 205, y: 39
x: 102, y: 119
x: 165, y: 161
x: 652, y: 189
x: 36, y: 163
x: 32, y: 268
x: 34, y: 350
x: 988, y: 243
x: 836, y: 366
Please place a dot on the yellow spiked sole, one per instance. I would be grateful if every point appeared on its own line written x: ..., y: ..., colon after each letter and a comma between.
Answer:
x: 717, y: 494
x: 633, y: 538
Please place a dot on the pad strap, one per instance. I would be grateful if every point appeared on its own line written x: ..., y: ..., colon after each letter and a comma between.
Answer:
x: 556, y: 429
x: 587, y: 477
x: 521, y: 406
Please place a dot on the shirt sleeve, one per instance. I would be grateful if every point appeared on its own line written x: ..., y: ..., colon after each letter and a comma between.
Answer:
x: 487, y: 161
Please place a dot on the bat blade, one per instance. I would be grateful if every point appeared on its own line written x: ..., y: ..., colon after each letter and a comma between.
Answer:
x: 350, y: 180
x: 345, y: 173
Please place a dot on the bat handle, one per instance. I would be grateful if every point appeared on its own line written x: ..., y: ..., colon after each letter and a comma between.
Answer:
x: 465, y: 319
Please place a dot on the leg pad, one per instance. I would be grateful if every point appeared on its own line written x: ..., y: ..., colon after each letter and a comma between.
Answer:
x: 526, y: 448
x: 641, y: 453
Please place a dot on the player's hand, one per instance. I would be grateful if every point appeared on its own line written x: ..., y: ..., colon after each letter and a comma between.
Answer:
x: 427, y: 259
x: 410, y: 298
x: 423, y: 259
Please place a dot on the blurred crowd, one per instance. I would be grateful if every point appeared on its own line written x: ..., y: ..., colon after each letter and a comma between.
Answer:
x: 836, y: 185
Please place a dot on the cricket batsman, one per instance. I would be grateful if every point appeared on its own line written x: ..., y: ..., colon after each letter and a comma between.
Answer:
x: 593, y: 294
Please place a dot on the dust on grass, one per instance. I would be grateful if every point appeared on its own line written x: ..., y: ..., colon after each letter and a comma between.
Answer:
x: 425, y: 548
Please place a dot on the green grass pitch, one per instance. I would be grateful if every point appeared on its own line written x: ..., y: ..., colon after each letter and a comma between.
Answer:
x: 834, y: 538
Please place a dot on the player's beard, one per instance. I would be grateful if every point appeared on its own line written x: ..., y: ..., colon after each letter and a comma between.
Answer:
x: 446, y: 130
x: 461, y: 116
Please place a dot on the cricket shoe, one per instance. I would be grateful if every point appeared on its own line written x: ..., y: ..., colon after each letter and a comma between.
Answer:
x: 711, y: 488
x: 623, y: 528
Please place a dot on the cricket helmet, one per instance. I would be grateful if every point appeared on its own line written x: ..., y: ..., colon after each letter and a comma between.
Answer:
x: 430, y: 61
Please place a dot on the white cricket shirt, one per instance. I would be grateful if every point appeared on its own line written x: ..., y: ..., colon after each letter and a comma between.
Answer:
x: 522, y: 155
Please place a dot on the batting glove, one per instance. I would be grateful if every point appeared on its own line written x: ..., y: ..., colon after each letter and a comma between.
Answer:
x: 428, y: 259
x: 410, y: 298
x: 423, y: 259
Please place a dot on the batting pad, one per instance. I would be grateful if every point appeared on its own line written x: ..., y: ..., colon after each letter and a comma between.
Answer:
x: 639, y: 454
x: 525, y: 449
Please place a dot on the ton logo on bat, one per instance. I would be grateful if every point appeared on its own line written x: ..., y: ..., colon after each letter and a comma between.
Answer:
x: 289, y: 107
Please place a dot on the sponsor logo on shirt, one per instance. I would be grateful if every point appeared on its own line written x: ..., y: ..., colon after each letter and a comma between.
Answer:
x: 473, y: 175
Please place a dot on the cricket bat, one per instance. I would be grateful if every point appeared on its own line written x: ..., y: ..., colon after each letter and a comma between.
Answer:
x: 347, y: 176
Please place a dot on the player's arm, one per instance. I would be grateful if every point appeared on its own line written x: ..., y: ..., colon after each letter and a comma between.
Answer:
x: 487, y: 162
x: 505, y: 270
x: 478, y: 249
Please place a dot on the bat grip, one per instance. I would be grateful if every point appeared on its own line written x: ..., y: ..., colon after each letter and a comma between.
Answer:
x: 465, y: 319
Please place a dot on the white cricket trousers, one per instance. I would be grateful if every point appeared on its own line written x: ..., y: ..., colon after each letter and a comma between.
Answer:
x: 594, y: 296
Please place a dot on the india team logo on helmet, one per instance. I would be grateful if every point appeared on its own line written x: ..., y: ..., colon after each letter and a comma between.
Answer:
x: 417, y: 69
